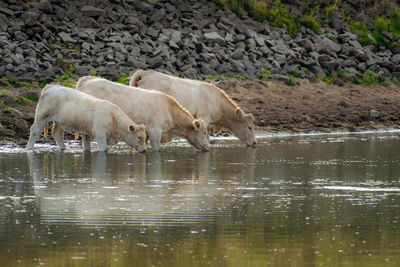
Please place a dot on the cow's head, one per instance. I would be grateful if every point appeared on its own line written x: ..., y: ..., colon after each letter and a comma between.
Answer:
x: 136, y: 137
x: 242, y: 125
x: 198, y: 136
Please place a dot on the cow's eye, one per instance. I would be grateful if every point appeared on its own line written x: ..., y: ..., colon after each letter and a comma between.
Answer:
x: 250, y: 128
x: 139, y: 137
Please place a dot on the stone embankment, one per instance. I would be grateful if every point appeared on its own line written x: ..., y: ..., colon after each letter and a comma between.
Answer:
x: 40, y: 39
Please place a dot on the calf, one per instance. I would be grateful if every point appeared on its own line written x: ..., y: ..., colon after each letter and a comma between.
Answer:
x: 202, y: 100
x: 75, y: 111
x: 163, y: 116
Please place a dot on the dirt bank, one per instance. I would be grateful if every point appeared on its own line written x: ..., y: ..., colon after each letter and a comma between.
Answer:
x: 275, y: 106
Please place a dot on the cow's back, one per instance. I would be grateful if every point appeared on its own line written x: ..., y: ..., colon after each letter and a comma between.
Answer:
x: 143, y: 106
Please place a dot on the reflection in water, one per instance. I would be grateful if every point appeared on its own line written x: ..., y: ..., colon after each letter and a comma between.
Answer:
x: 292, y: 201
x: 132, y: 191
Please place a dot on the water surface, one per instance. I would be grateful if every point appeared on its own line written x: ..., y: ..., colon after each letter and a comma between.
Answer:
x: 295, y: 200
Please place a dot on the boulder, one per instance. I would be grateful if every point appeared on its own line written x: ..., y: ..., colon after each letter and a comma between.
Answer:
x: 91, y: 11
x: 374, y: 114
x: 66, y: 38
x: 214, y: 37
x: 327, y: 63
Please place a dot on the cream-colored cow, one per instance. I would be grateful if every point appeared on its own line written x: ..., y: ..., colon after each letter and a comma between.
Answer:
x: 75, y: 111
x: 163, y: 116
x: 202, y: 100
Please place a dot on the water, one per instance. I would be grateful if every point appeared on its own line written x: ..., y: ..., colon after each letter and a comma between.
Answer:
x: 295, y: 200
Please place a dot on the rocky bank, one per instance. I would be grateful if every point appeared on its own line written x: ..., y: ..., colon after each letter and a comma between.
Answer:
x: 41, y: 40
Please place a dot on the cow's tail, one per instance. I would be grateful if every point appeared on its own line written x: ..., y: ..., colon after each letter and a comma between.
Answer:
x: 46, y: 131
x: 81, y: 82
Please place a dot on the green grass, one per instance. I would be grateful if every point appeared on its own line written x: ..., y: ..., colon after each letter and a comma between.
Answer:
x: 292, y: 81
x: 123, y: 79
x: 265, y: 74
x: 67, y: 75
x: 369, y: 77
x: 22, y: 100
x: 373, y: 32
x: 67, y: 82
x: 272, y: 11
x: 309, y: 21
x: 3, y: 93
x: 53, y: 44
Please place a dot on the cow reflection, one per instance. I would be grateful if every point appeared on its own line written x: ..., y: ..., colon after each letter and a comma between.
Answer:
x: 155, y: 188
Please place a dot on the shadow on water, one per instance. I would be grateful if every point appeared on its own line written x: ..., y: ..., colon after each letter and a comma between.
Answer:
x: 294, y: 200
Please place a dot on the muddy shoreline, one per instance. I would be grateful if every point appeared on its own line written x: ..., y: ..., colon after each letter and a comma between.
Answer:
x: 277, y: 107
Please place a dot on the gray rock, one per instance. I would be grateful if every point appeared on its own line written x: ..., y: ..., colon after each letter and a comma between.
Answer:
x: 158, y: 15
x: 135, y: 63
x: 17, y: 59
x: 349, y: 63
x: 396, y: 59
x: 207, y: 69
x: 154, y: 62
x: 388, y: 36
x: 66, y: 38
x: 251, y: 44
x: 327, y: 62
x: 306, y: 44
x: 7, y: 132
x: 153, y: 33
x: 260, y: 39
x: 214, y: 37
x: 356, y: 44
x: 326, y: 47
x: 238, y: 54
x: 394, y: 48
x: 229, y: 37
x: 30, y: 18
x: 6, y: 11
x: 86, y: 46
x: 82, y: 70
x: 225, y: 67
x: 91, y: 11
x: 21, y: 124
x: 343, y: 103
x: 362, y: 66
x: 191, y: 73
x: 374, y: 114
x: 145, y: 48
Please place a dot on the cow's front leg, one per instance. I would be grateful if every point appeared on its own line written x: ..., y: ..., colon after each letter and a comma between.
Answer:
x: 101, y: 141
x: 155, y: 139
x: 36, y: 130
x: 58, y: 134
x: 86, y: 142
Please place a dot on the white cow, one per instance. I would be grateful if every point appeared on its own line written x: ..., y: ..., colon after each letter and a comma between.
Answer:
x: 202, y: 100
x: 75, y: 111
x: 163, y: 116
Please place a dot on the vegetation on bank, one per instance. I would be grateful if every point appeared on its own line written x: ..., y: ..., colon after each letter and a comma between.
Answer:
x: 382, y: 26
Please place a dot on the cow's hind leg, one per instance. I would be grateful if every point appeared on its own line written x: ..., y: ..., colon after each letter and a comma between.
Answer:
x: 58, y: 135
x: 36, y: 129
x: 86, y: 142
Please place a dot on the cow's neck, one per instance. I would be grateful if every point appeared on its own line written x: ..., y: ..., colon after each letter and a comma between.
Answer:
x: 183, y: 122
x: 227, y: 112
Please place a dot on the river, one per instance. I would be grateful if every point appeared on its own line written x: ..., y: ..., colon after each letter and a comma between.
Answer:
x: 295, y: 200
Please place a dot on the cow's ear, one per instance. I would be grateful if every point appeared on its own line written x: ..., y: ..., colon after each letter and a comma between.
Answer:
x: 197, y: 125
x: 239, y: 113
x: 132, y: 129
